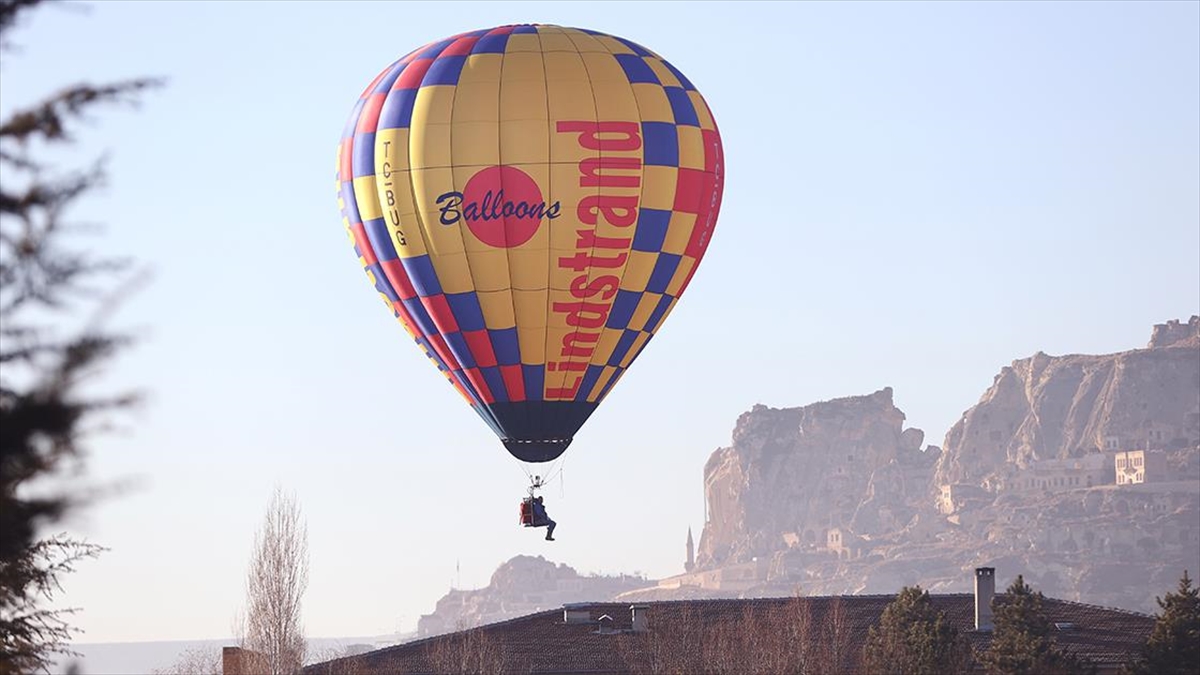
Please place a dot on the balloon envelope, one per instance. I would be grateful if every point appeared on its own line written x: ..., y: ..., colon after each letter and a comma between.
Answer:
x: 531, y: 202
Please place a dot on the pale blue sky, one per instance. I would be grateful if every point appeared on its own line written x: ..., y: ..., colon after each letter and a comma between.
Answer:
x: 916, y: 195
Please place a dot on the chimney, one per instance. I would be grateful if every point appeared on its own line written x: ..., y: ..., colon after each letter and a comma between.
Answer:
x: 231, y: 661
x: 577, y: 612
x: 641, y: 618
x: 606, y: 624
x: 985, y: 590
x: 238, y: 661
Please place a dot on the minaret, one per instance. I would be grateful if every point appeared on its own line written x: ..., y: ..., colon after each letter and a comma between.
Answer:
x: 691, y: 553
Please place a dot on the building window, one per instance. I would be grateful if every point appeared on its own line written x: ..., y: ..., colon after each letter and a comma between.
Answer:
x: 1120, y: 462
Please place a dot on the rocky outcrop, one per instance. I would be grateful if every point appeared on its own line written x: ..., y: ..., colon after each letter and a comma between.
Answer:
x: 1106, y: 545
x: 1176, y: 334
x: 519, y: 586
x: 1057, y: 407
x: 836, y: 497
x: 896, y: 492
x: 792, y: 474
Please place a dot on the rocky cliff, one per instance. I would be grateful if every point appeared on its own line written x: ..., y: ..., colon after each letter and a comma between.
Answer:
x: 1057, y: 407
x: 1105, y: 545
x: 837, y: 497
x: 792, y: 474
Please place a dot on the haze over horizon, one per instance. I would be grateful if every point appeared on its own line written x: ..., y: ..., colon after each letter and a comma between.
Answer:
x: 916, y: 195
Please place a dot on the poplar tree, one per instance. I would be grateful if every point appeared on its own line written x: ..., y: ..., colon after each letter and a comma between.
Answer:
x: 275, y: 584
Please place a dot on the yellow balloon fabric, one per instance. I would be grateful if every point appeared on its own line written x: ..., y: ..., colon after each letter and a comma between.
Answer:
x: 531, y: 202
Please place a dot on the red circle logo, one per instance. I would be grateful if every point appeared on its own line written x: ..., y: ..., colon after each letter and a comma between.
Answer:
x: 503, y: 206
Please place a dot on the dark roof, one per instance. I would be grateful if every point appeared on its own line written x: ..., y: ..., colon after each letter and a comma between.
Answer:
x: 688, y: 634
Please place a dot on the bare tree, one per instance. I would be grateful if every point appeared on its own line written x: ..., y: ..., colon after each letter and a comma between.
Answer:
x: 275, y: 585
x: 837, y: 635
x: 340, y: 661
x: 721, y: 645
x: 470, y: 651
x: 763, y: 640
x: 824, y: 640
x: 194, y: 661
x: 679, y: 649
x: 778, y: 648
x: 672, y: 646
x: 801, y: 631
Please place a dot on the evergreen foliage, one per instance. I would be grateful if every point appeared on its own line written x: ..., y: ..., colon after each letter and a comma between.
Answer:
x: 45, y: 416
x: 913, y: 638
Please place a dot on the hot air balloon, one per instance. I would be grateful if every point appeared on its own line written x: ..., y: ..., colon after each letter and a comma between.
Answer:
x: 531, y: 201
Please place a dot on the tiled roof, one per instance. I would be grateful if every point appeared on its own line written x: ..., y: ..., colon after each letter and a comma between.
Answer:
x: 764, y: 635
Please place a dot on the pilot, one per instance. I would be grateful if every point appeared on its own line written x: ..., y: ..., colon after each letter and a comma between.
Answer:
x: 540, y: 518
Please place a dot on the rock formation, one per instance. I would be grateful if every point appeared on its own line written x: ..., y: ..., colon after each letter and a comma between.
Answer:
x: 1176, y: 334
x: 793, y: 474
x: 1047, y: 407
x: 521, y: 585
x: 838, y: 497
